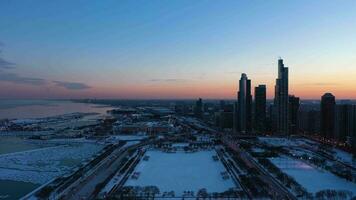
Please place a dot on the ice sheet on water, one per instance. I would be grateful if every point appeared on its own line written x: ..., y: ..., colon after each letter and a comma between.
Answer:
x: 41, y: 165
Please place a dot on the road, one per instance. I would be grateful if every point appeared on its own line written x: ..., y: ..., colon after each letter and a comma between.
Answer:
x: 84, y: 187
x: 280, y: 191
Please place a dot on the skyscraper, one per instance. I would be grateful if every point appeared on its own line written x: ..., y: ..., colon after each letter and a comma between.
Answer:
x: 244, y: 108
x: 260, y: 108
x: 327, y: 115
x: 281, y: 99
x: 352, y: 127
x: 293, y: 115
x: 345, y: 122
x: 342, y: 122
x: 198, y: 109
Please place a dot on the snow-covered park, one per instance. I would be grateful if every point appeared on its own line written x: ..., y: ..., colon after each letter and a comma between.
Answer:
x: 289, y: 142
x: 311, y: 178
x: 345, y: 157
x: 43, y: 164
x: 181, y: 172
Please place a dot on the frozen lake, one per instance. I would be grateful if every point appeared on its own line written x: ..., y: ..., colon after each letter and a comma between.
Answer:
x: 20, y: 109
x: 181, y: 171
x: 11, y: 144
x: 27, y: 165
x: 311, y: 178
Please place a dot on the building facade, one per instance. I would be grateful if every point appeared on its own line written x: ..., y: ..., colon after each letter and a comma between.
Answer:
x: 293, y: 115
x: 281, y: 99
x: 244, y: 107
x: 327, y: 115
x: 260, y: 108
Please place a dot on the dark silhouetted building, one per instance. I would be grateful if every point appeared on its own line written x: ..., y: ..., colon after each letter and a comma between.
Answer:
x: 235, y: 117
x: 309, y: 121
x: 198, y: 109
x: 224, y: 118
x: 244, y: 114
x: 260, y: 108
x: 281, y: 99
x: 341, y: 122
x: 222, y: 104
x: 327, y: 115
x: 352, y: 128
x: 293, y: 114
x: 345, y: 123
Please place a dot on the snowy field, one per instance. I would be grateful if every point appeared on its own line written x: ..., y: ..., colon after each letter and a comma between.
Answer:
x: 311, y: 178
x: 181, y: 172
x: 275, y: 141
x: 345, y: 157
x: 41, y: 165
x: 126, y: 137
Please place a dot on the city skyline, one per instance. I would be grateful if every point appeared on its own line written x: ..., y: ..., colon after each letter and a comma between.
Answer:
x: 180, y: 50
x: 179, y: 99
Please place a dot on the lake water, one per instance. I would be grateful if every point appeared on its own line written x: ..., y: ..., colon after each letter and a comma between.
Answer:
x: 10, y: 189
x: 15, y: 189
x: 20, y: 109
x: 17, y: 109
x: 11, y: 144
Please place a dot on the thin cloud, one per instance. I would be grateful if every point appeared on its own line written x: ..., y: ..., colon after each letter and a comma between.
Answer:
x: 15, y: 78
x: 18, y: 79
x: 6, y: 65
x: 24, y: 80
x: 72, y: 85
x: 169, y: 80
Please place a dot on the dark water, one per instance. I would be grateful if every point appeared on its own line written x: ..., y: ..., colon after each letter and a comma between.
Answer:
x: 15, y: 189
x: 11, y: 144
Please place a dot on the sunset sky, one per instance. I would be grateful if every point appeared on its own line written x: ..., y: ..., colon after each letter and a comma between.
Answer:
x: 175, y: 48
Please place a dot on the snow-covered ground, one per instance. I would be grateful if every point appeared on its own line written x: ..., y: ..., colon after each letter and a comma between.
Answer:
x: 257, y: 150
x: 44, y: 164
x: 180, y: 145
x: 126, y: 137
x: 311, y: 178
x: 276, y: 141
x: 181, y: 172
x: 345, y: 157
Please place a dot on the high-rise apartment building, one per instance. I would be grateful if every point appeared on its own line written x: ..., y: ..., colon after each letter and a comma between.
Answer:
x: 281, y: 99
x: 198, y: 109
x: 327, y: 115
x: 293, y: 112
x: 260, y: 108
x: 244, y: 99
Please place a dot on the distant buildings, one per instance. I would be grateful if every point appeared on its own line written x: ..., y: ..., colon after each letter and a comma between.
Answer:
x: 260, y: 108
x: 148, y: 127
x: 224, y: 118
x: 281, y: 99
x: 327, y: 109
x: 309, y: 120
x: 293, y: 112
x: 244, y: 108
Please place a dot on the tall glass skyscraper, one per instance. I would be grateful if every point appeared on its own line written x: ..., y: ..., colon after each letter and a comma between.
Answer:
x: 260, y: 108
x: 244, y: 97
x: 281, y: 99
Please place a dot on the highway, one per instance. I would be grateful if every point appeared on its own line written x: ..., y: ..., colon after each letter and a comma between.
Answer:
x: 280, y: 191
x: 84, y: 188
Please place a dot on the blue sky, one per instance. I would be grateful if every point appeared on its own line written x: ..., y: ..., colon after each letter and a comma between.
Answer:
x: 174, y: 49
